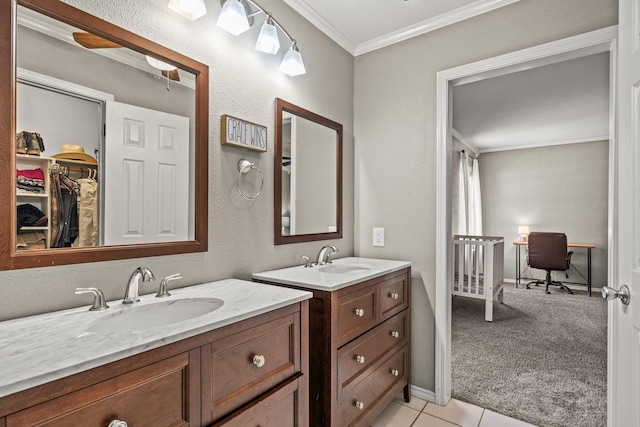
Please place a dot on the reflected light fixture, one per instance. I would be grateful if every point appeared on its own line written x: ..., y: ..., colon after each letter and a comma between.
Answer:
x: 156, y: 63
x: 268, y: 41
x: 292, y: 63
x: 190, y: 9
x: 236, y: 17
x: 233, y: 18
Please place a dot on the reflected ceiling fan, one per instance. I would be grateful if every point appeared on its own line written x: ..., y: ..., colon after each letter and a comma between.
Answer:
x: 92, y: 41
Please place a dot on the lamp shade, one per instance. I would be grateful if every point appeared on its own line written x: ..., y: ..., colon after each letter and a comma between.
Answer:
x: 523, y: 229
x: 292, y: 63
x: 156, y: 63
x: 233, y: 17
x: 268, y: 41
x: 190, y: 9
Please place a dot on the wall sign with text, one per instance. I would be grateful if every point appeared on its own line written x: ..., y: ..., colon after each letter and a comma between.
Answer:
x: 238, y: 132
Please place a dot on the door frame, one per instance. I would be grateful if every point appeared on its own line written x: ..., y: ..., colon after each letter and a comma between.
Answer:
x: 603, y: 40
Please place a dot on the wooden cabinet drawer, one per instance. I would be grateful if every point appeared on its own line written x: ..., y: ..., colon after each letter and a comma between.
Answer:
x: 163, y: 387
x: 277, y: 408
x: 365, y: 395
x: 361, y: 353
x: 393, y: 295
x: 245, y: 365
x: 357, y: 312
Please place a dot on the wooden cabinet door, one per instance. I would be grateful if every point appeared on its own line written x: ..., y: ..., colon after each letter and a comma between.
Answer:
x: 156, y: 395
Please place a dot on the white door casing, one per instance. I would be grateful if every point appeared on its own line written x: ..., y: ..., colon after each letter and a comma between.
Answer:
x: 602, y: 40
x: 624, y: 320
x: 147, y: 157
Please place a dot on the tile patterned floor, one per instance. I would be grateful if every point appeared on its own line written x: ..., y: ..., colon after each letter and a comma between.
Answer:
x: 419, y: 413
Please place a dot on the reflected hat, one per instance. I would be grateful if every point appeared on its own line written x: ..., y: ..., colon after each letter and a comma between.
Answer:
x: 74, y: 152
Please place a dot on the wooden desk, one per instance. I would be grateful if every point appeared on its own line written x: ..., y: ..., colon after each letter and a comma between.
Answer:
x: 587, y: 246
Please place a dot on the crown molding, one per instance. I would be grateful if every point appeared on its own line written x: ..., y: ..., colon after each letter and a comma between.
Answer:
x: 322, y: 24
x: 522, y: 146
x: 420, y: 28
x: 452, y: 17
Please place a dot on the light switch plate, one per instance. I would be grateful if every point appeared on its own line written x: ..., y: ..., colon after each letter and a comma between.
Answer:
x: 378, y: 236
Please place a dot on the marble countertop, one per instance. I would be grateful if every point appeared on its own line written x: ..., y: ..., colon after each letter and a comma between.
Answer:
x: 37, y: 349
x: 342, y: 272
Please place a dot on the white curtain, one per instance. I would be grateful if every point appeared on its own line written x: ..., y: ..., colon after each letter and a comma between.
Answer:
x: 469, y: 216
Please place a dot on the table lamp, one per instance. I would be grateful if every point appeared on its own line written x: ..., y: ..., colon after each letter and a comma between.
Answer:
x: 523, y: 231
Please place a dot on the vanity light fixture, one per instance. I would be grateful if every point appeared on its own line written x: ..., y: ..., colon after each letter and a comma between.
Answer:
x: 233, y: 17
x: 190, y: 9
x: 236, y: 17
x: 292, y: 63
x: 268, y: 41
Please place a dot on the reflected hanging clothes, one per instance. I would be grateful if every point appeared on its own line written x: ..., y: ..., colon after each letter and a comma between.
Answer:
x: 65, y: 191
x: 87, y: 213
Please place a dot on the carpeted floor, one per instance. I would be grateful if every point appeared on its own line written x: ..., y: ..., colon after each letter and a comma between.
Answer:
x: 542, y: 360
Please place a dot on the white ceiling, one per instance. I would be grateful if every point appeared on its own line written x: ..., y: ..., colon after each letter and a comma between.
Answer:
x: 360, y: 26
x: 561, y: 103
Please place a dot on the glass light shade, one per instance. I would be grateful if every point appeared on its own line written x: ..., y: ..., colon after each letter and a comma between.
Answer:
x: 159, y: 64
x: 268, y: 41
x: 190, y: 9
x: 292, y: 63
x: 233, y: 17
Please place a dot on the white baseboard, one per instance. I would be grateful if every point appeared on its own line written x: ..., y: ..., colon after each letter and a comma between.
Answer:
x: 423, y: 394
x: 594, y: 289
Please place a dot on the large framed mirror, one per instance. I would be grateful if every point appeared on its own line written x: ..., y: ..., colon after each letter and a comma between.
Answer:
x: 103, y: 141
x: 308, y: 176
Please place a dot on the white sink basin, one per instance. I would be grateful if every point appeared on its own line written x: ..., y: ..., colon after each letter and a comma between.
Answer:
x: 344, y: 268
x: 154, y: 315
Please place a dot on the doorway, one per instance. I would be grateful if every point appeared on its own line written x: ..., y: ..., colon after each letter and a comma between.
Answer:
x: 603, y: 40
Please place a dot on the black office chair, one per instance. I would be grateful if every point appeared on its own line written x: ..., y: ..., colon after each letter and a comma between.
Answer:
x: 548, y: 252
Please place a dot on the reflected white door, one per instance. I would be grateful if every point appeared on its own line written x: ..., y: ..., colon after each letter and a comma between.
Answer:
x: 624, y: 320
x: 146, y: 158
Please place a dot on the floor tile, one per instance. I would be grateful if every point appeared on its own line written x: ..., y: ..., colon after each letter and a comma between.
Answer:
x: 416, y: 403
x: 396, y: 415
x: 457, y: 412
x: 426, y: 420
x: 493, y: 419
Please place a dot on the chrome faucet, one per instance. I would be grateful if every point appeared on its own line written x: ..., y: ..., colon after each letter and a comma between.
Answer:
x: 324, y: 256
x: 131, y: 293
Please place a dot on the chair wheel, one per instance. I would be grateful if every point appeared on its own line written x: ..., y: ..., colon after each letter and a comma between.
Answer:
x: 547, y: 292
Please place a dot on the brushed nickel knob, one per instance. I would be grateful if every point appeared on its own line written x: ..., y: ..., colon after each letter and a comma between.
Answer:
x: 395, y: 334
x: 259, y: 360
x: 395, y: 372
x: 394, y: 295
x: 610, y: 294
x: 118, y: 423
x: 360, y: 359
x: 359, y: 312
x: 358, y: 404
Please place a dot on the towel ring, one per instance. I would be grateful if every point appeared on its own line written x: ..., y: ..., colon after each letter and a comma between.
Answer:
x: 244, y: 166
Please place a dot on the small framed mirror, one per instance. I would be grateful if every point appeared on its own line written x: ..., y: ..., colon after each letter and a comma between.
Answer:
x: 103, y: 125
x: 308, y: 176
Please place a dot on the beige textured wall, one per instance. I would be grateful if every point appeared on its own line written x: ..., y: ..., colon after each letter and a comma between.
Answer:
x: 395, y: 135
x: 560, y: 188
x: 243, y: 83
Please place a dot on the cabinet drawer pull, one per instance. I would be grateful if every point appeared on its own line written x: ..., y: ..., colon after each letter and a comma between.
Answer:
x: 359, y: 312
x: 358, y: 404
x: 118, y: 423
x: 395, y: 334
x: 394, y: 295
x: 360, y: 359
x: 259, y: 360
x: 395, y: 372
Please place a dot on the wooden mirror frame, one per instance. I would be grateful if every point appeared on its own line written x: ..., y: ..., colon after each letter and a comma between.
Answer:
x: 11, y: 259
x: 280, y: 239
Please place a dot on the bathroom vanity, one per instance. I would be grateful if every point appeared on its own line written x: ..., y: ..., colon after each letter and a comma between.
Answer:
x: 360, y: 324
x: 244, y: 363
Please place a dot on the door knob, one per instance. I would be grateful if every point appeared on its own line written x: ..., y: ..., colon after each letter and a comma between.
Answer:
x: 610, y: 294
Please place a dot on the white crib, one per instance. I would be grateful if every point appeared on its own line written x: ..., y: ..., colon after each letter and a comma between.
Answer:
x: 478, y: 269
